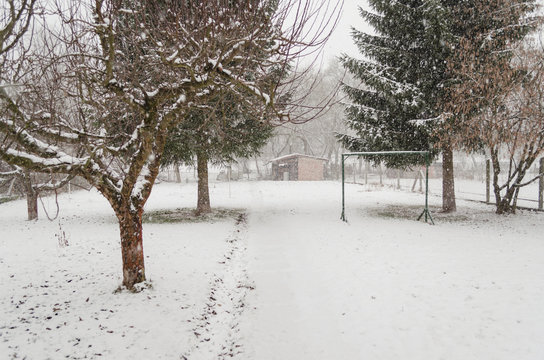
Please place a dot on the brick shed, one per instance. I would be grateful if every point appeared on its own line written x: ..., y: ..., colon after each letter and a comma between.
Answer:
x: 298, y: 167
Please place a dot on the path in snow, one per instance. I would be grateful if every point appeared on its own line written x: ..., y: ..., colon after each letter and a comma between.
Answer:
x: 216, y: 329
x: 382, y: 288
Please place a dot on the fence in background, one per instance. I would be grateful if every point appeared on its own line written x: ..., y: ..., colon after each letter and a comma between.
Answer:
x: 473, y: 179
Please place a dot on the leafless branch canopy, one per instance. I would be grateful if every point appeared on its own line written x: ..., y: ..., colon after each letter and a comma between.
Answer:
x: 112, y: 76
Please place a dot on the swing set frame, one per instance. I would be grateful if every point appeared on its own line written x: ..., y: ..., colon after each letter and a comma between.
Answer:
x: 425, y: 213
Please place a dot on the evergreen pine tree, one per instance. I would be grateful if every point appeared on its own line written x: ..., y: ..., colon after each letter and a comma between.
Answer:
x: 407, y: 72
x: 226, y: 128
x: 225, y: 124
x: 402, y: 75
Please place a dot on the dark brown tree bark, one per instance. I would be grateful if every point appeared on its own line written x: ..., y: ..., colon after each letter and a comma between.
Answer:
x: 31, y: 196
x: 448, y: 183
x: 500, y: 205
x: 32, y: 204
x: 203, y: 202
x: 130, y: 225
x: 507, y: 202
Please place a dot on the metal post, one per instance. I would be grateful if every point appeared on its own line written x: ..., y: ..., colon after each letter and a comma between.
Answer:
x: 427, y: 165
x: 343, y: 216
x: 541, y: 185
x: 487, y: 180
x: 426, y: 185
x: 426, y: 209
x: 427, y: 154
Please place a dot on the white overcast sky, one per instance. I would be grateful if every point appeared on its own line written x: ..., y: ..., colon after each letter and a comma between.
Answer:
x: 341, y: 41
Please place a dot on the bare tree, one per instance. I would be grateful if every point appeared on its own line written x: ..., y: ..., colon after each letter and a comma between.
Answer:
x: 504, y: 108
x: 482, y: 76
x: 316, y: 137
x: 513, y: 129
x: 15, y: 19
x: 31, y: 185
x: 130, y: 71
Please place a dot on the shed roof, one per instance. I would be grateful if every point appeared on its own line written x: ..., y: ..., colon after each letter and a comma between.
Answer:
x: 291, y: 156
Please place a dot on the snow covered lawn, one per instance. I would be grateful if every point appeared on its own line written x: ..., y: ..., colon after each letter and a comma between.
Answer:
x: 285, y: 279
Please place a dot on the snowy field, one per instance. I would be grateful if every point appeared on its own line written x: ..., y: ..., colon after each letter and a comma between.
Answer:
x: 279, y: 278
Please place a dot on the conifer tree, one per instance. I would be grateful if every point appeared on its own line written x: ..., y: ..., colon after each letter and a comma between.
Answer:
x: 409, y: 67
x: 225, y: 128
x: 403, y: 77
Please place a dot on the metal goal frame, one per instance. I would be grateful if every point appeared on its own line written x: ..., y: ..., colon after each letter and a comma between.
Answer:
x: 426, y: 213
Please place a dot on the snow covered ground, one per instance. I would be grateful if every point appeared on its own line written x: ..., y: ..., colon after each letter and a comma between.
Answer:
x: 282, y: 278
x: 465, y: 189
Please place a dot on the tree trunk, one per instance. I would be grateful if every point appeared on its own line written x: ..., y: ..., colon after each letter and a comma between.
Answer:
x: 499, y: 203
x: 130, y: 225
x: 203, y: 202
x: 31, y: 197
x: 515, y: 200
x: 13, y: 183
x: 502, y: 202
x: 504, y: 206
x: 32, y: 204
x: 177, y: 171
x: 336, y: 164
x: 258, y: 169
x: 448, y: 184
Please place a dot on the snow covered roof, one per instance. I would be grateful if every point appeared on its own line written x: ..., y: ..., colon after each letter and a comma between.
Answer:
x: 291, y: 156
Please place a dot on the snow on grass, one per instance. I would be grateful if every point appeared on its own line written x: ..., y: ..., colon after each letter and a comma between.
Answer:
x: 290, y: 282
x: 60, y: 302
x: 392, y: 288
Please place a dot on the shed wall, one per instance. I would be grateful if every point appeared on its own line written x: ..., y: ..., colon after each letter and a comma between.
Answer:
x: 289, y: 166
x: 310, y: 169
